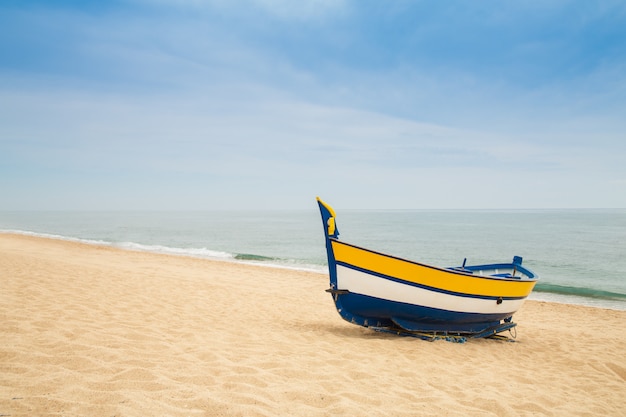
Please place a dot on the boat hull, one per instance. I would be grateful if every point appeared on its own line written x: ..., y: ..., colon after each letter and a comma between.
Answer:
x: 371, y: 300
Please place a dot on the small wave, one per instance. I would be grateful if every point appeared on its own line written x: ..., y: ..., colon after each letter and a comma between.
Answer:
x: 283, y: 263
x: 191, y: 252
x: 579, y: 291
x: 57, y: 237
x: 195, y: 252
x: 252, y: 257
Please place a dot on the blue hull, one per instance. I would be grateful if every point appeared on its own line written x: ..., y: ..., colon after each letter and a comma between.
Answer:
x: 379, y: 313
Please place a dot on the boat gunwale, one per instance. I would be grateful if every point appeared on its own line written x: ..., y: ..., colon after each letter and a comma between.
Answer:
x: 530, y: 276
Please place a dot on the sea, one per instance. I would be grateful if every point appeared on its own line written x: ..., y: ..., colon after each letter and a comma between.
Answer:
x: 579, y: 254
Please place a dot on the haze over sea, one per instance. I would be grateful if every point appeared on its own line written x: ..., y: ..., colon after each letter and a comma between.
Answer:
x: 579, y: 254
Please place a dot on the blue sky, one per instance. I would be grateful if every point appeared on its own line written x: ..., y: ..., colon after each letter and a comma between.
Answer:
x: 188, y: 104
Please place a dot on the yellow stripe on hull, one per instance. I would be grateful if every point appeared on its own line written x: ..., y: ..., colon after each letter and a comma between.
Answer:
x: 446, y: 280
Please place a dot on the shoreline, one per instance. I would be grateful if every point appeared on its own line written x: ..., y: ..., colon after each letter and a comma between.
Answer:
x: 96, y: 330
x: 536, y: 295
x: 208, y: 254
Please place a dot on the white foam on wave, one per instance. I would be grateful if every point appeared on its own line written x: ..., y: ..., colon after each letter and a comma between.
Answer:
x: 194, y: 252
x: 58, y: 237
x: 577, y: 300
x: 168, y: 250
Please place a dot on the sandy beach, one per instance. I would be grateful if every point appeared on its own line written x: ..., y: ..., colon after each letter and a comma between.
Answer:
x: 97, y: 331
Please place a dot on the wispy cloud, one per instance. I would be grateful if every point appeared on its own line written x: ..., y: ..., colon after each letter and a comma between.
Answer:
x: 421, y: 104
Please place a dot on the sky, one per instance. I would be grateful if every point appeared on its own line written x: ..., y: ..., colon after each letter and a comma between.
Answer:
x: 266, y: 104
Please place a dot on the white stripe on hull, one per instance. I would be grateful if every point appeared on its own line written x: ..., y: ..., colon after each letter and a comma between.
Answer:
x: 366, y: 284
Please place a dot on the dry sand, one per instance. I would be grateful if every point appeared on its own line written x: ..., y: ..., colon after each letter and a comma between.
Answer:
x: 96, y: 331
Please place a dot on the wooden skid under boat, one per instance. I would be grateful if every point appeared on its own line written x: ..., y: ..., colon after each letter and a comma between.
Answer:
x: 388, y: 293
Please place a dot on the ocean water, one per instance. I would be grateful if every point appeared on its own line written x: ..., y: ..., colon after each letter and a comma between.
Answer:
x: 579, y: 255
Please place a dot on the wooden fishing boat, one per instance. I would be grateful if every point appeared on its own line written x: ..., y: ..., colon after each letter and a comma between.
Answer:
x: 392, y: 294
